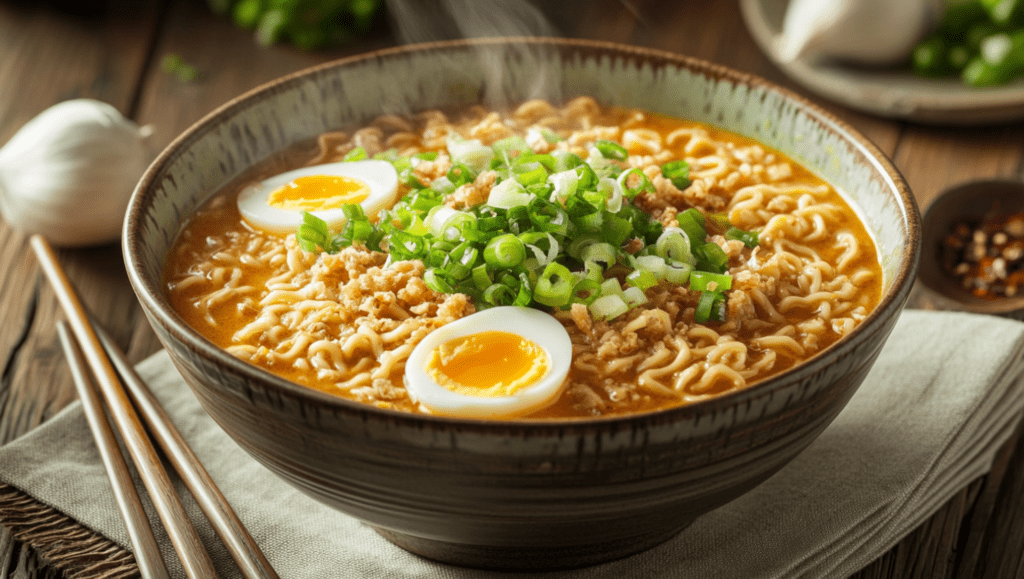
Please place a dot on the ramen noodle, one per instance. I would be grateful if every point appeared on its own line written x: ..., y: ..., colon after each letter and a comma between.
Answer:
x: 346, y: 322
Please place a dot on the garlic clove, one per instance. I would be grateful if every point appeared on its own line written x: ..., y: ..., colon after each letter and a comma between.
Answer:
x: 68, y: 173
x: 869, y: 32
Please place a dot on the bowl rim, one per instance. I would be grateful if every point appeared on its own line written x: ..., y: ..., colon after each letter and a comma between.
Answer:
x: 152, y: 298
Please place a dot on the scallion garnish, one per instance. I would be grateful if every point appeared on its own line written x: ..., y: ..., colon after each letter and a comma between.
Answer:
x: 749, y: 238
x: 678, y: 172
x: 505, y: 251
x: 711, y: 257
x: 707, y: 281
x: 710, y: 307
x: 691, y: 221
x: 553, y: 232
x: 611, y: 150
x: 356, y: 154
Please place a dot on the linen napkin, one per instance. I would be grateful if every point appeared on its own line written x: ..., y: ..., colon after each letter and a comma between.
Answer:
x: 945, y: 393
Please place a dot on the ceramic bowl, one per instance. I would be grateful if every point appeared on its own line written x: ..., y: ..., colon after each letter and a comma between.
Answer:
x: 517, y: 495
x: 967, y: 203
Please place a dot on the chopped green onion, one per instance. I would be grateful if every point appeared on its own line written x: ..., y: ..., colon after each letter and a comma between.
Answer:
x: 711, y: 257
x: 442, y: 185
x: 580, y: 243
x: 634, y: 296
x: 590, y: 223
x: 710, y: 307
x: 505, y: 251
x: 510, y: 146
x: 526, y: 289
x: 608, y: 307
x: 611, y: 150
x: 611, y: 286
x: 587, y: 177
x: 530, y: 173
x: 313, y: 233
x: 654, y: 264
x: 707, y: 281
x: 612, y: 192
x: 749, y: 238
x: 677, y: 272
x: 642, y: 279
x: 552, y: 227
x: 438, y: 280
x: 481, y: 277
x: 643, y: 184
x: 424, y: 202
x: 437, y: 217
x: 499, y: 294
x: 674, y: 243
x: 565, y: 160
x: 678, y: 172
x: 616, y: 230
x: 593, y: 271
x: 460, y: 173
x: 555, y: 285
x: 543, y: 245
x: 691, y: 221
x: 469, y: 152
x: 356, y: 154
x: 585, y: 291
x: 564, y: 183
x: 507, y: 194
x: 602, y: 253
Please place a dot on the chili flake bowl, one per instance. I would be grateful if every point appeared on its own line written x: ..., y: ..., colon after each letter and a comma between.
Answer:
x: 968, y: 204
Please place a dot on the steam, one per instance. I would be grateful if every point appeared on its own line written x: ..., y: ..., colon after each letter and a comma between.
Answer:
x: 429, y: 20
x: 417, y: 21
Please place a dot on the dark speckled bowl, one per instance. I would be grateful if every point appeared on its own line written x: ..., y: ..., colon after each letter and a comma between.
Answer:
x: 519, y: 494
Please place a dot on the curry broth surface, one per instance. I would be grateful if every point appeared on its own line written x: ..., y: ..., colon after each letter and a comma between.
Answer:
x: 218, y: 221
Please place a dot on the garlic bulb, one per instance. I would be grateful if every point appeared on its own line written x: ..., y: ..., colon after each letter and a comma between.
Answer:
x: 871, y: 32
x: 68, y: 172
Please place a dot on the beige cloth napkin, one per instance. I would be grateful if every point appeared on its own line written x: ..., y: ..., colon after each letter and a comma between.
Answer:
x: 944, y: 394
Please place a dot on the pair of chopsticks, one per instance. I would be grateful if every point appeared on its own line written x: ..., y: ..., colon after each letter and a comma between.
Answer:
x: 92, y: 354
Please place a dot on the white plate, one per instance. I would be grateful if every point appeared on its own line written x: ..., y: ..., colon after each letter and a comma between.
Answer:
x: 886, y: 92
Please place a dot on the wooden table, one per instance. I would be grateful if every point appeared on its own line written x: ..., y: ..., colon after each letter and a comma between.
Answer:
x: 48, y: 55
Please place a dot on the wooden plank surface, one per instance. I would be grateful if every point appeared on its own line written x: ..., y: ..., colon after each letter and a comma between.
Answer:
x: 47, y: 56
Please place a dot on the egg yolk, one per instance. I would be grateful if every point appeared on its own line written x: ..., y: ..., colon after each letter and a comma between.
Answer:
x: 487, y: 364
x: 318, y: 193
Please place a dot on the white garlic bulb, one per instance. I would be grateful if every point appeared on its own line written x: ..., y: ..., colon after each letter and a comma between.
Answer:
x: 68, y: 173
x: 871, y: 32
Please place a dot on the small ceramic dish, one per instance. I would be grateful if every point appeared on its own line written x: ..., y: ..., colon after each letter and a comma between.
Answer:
x: 888, y: 92
x: 969, y: 204
x: 519, y: 494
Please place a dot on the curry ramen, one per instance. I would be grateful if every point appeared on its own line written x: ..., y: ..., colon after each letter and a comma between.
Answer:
x: 683, y: 262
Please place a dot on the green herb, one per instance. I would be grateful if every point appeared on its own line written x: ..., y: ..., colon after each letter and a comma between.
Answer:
x: 611, y: 150
x: 552, y: 233
x: 678, y: 172
x: 981, y: 41
x: 306, y: 24
x: 176, y: 66
x: 749, y: 238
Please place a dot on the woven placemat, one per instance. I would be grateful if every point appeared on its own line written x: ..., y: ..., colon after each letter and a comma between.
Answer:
x: 64, y: 543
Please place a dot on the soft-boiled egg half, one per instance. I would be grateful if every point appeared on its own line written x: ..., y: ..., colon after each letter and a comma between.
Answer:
x: 275, y: 204
x: 498, y: 363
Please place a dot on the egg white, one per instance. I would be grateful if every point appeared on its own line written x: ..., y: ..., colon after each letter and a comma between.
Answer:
x: 531, y: 324
x: 379, y: 176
